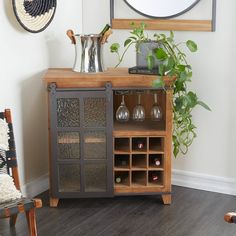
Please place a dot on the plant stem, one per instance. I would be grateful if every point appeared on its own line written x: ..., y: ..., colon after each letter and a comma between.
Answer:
x: 123, y: 54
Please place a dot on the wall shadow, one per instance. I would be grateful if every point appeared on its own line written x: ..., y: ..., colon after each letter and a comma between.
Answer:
x: 34, y: 126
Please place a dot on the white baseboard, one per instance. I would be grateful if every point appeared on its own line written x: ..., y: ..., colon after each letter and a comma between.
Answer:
x: 179, y: 178
x: 204, y: 182
x: 36, y: 186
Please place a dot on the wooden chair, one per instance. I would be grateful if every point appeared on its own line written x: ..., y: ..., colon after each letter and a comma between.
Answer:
x: 9, y: 163
x: 230, y: 217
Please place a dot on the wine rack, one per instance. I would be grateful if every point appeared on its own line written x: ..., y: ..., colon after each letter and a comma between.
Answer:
x: 143, y: 165
x: 96, y: 153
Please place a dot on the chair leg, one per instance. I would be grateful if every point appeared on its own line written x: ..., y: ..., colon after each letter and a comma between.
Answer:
x: 13, y: 220
x: 31, y: 220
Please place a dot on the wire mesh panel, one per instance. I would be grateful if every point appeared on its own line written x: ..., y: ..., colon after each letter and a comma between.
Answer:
x: 95, y: 177
x: 94, y: 112
x: 68, y: 112
x: 68, y: 145
x: 69, y: 178
x: 95, y: 145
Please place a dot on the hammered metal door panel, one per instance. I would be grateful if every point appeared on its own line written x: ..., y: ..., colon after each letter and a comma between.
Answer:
x: 95, y: 177
x: 95, y: 144
x: 68, y: 145
x: 68, y: 112
x: 69, y: 177
x: 94, y: 112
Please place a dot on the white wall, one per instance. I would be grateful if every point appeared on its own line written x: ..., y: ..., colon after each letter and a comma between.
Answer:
x: 213, y: 152
x: 24, y: 57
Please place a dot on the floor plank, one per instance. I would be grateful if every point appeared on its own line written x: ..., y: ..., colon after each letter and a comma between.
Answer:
x: 192, y: 213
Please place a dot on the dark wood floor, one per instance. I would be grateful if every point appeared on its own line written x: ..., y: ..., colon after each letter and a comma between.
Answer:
x: 192, y: 213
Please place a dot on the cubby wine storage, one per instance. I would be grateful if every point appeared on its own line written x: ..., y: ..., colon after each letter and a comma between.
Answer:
x: 142, y: 164
x: 96, y: 151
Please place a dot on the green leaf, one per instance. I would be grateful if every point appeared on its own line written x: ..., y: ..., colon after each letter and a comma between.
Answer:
x: 132, y: 37
x: 176, y: 150
x: 158, y: 83
x: 204, y: 105
x: 161, y: 69
x: 170, y: 63
x: 192, y: 126
x: 183, y: 77
x: 161, y: 54
x: 115, y: 47
x: 163, y: 36
x: 178, y: 103
x: 179, y: 86
x: 150, y: 61
x: 192, y: 99
x: 127, y: 41
x: 192, y: 46
x: 181, y: 67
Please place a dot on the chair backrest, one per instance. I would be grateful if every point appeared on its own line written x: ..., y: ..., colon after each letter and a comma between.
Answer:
x: 8, y: 162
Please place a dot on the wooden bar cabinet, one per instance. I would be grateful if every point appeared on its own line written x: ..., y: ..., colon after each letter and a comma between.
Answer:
x: 94, y: 155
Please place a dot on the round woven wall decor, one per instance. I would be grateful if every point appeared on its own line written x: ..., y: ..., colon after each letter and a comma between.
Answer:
x: 34, y: 15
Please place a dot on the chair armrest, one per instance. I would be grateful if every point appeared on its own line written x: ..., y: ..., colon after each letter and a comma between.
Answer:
x: 230, y: 217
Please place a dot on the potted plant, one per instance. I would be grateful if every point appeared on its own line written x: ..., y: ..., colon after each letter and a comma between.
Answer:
x: 173, y: 62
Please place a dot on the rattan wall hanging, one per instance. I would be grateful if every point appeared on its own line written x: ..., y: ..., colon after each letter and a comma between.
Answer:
x: 34, y: 15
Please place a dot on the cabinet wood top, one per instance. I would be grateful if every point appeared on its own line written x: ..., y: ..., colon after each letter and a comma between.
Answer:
x: 66, y: 78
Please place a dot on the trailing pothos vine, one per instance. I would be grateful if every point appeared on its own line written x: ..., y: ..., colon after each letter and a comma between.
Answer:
x: 173, y: 62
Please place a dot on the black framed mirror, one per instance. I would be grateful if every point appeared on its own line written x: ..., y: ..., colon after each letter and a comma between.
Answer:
x: 161, y: 8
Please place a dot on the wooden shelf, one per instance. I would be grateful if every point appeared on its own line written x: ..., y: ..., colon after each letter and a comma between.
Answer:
x: 121, y: 185
x: 120, y: 190
x: 131, y: 128
x: 160, y: 24
x: 155, y: 168
x: 139, y: 168
x: 121, y: 168
x: 155, y: 185
x: 156, y: 152
x: 121, y: 152
x: 138, y: 185
x: 119, y: 77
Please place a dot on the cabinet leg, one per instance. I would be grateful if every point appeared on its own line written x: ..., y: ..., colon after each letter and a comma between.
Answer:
x: 53, y: 202
x: 166, y: 198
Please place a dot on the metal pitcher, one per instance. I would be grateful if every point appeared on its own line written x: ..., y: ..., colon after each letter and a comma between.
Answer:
x: 88, y: 52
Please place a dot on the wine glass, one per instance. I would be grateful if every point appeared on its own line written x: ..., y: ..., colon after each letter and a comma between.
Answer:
x: 156, y: 111
x: 122, y: 113
x: 138, y: 111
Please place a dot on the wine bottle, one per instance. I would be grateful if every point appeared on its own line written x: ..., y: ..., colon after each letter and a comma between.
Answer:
x: 154, y: 177
x: 140, y: 145
x: 105, y: 34
x: 118, y: 179
x: 105, y: 29
x: 157, y: 162
x: 123, y: 163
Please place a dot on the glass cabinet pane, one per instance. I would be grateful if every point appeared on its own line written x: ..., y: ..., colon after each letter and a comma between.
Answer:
x: 95, y: 145
x: 95, y: 177
x: 68, y: 145
x: 68, y: 112
x: 94, y: 112
x: 69, y: 178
